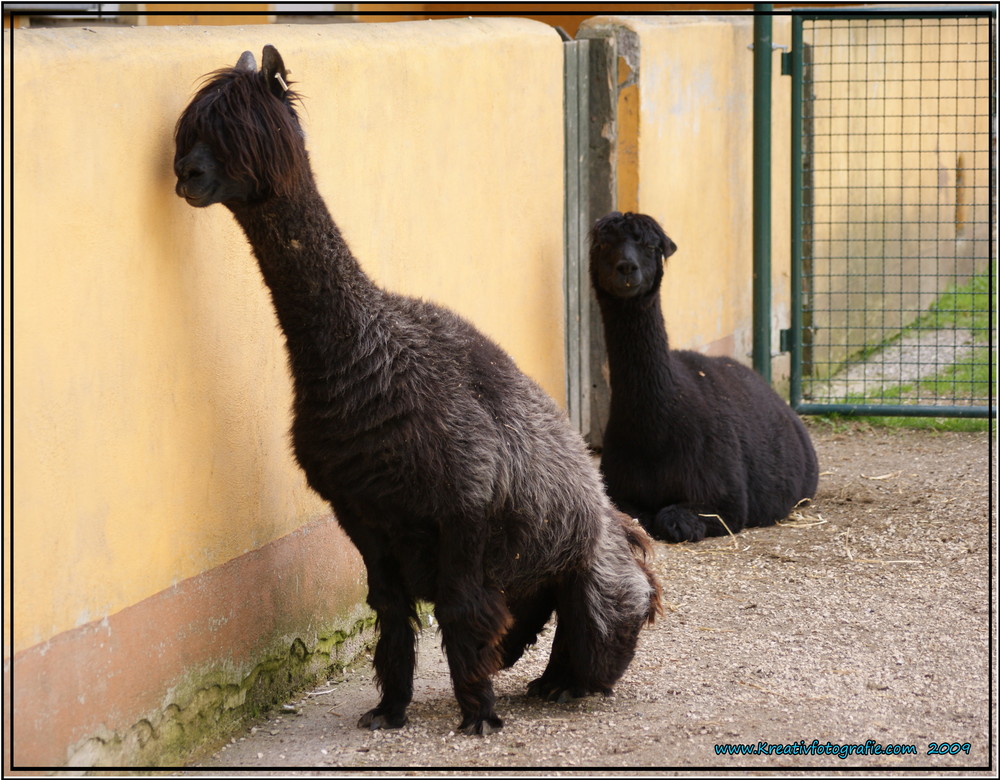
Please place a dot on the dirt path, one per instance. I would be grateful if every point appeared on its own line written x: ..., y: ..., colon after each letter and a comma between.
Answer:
x: 868, y: 619
x: 917, y: 356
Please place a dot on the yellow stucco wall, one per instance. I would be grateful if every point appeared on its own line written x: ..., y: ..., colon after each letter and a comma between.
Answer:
x: 151, y: 392
x: 685, y: 158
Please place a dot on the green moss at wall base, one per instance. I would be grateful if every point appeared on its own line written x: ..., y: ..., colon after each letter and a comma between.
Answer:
x: 206, y: 708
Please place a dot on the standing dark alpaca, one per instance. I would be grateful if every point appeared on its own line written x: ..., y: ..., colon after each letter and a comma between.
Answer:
x: 458, y: 479
x: 695, y: 446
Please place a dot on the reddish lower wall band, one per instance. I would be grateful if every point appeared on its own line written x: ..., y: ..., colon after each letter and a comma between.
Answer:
x: 105, y: 692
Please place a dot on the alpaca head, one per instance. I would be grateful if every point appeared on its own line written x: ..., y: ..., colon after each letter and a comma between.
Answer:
x: 239, y: 140
x: 627, y: 253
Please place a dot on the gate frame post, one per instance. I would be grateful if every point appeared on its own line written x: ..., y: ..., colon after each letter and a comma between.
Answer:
x: 578, y: 165
x: 795, y: 326
x: 762, y: 52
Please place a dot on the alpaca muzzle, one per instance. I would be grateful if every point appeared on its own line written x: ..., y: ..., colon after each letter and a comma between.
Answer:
x: 196, y: 182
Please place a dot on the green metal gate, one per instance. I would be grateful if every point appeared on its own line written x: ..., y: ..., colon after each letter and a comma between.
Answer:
x: 893, y: 212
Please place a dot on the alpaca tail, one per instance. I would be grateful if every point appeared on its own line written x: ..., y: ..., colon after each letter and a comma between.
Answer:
x: 641, y: 544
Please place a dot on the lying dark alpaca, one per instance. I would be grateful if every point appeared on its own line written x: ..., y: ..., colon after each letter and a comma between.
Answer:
x: 458, y: 479
x: 695, y: 446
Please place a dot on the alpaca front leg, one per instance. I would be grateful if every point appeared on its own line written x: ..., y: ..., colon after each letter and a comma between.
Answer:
x: 560, y: 681
x: 600, y: 614
x: 573, y: 670
x: 675, y: 523
x: 681, y: 523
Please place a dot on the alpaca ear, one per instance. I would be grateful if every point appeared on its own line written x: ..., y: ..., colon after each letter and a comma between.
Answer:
x: 247, y: 62
x: 275, y: 75
x: 668, y: 246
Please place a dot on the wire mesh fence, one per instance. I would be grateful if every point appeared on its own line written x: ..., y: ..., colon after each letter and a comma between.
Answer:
x: 897, y: 214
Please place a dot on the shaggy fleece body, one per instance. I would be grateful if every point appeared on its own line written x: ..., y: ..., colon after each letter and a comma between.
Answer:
x: 457, y: 477
x: 695, y: 446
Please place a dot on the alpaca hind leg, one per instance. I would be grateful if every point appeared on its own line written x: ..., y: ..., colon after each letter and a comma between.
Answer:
x: 472, y: 630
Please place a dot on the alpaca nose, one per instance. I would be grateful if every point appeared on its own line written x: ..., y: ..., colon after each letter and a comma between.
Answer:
x: 189, y: 169
x: 627, y: 267
x: 191, y: 177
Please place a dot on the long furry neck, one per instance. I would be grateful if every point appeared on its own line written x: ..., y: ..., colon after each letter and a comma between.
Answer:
x: 325, y: 303
x: 638, y: 355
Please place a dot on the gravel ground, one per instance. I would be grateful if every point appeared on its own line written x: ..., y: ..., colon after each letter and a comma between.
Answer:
x: 866, y: 617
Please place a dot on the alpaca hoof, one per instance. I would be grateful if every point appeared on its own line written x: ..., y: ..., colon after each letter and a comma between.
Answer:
x: 674, y: 525
x: 480, y: 726
x: 564, y: 697
x: 539, y: 687
x: 375, y: 720
x: 559, y: 692
x: 567, y: 695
